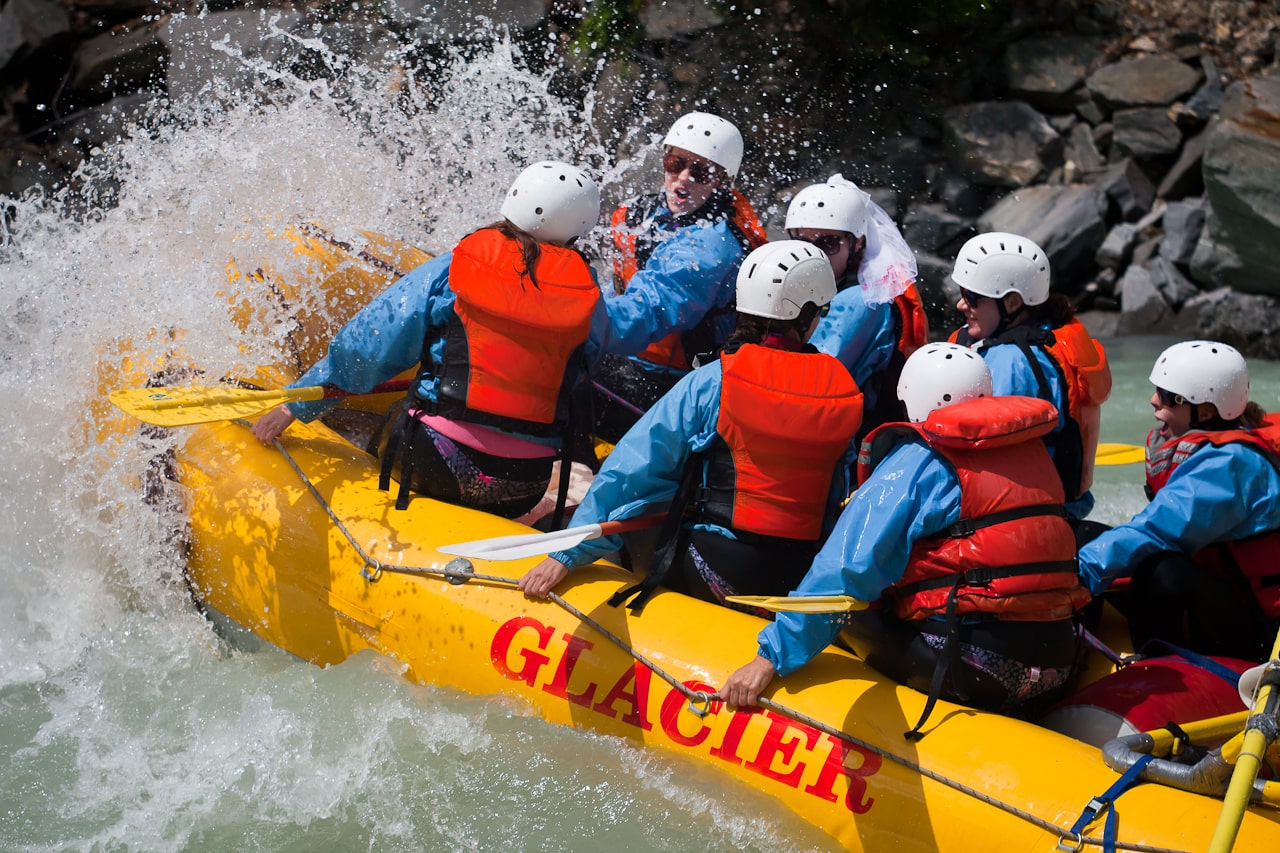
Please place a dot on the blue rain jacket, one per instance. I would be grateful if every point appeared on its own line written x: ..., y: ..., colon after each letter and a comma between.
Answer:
x: 911, y: 495
x: 386, y: 337
x: 1217, y: 494
x: 687, y: 275
x: 1011, y: 374
x: 860, y: 335
x: 643, y: 472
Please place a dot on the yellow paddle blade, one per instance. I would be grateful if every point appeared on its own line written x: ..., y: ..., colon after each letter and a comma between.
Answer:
x: 170, y: 407
x: 801, y: 603
x: 1120, y: 454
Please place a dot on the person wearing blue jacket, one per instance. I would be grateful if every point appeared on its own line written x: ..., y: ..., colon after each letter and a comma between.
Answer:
x: 979, y: 611
x: 877, y: 319
x: 503, y: 327
x: 675, y: 257
x: 1036, y: 347
x: 1201, y: 557
x: 747, y: 503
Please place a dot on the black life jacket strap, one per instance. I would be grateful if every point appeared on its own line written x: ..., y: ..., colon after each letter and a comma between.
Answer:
x: 400, y: 443
x: 969, y: 526
x: 673, y: 539
x: 987, y: 574
x: 947, y: 657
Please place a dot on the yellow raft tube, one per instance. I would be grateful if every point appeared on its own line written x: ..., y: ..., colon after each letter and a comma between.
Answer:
x: 297, y: 544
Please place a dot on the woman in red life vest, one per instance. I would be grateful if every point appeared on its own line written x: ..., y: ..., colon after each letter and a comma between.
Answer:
x: 1202, y: 554
x: 747, y: 450
x: 676, y: 253
x: 1035, y: 347
x: 958, y: 535
x: 877, y: 319
x: 500, y: 327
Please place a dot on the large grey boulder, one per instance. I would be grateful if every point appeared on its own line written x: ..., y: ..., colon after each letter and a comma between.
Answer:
x: 122, y: 60
x: 1046, y: 72
x: 1143, y: 310
x: 1000, y: 143
x: 1249, y: 322
x: 1146, y: 132
x: 29, y: 24
x: 1240, y: 244
x: 1068, y: 222
x: 1148, y: 81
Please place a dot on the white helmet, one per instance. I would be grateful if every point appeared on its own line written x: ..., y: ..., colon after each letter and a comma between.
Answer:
x: 837, y: 205
x: 553, y: 201
x: 777, y: 279
x: 708, y: 136
x: 938, y: 375
x: 1205, y: 372
x: 997, y: 263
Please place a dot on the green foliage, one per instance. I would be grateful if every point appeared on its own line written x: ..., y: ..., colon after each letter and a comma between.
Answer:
x: 608, y: 27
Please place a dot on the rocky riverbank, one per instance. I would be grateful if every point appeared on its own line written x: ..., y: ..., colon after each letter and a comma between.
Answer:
x: 1139, y: 146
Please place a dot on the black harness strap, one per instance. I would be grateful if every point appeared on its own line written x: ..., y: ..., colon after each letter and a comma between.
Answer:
x: 985, y: 575
x: 673, y: 539
x: 969, y: 526
x: 946, y: 661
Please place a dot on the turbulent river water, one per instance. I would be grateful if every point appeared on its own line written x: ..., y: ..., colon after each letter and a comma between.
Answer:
x: 126, y: 722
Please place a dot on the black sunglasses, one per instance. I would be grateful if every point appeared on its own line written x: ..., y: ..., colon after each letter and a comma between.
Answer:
x: 830, y: 244
x: 1168, y: 399
x: 700, y: 172
x: 971, y: 297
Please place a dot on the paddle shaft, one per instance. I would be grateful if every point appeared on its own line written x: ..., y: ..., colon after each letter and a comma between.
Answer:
x: 187, y: 406
x: 1248, y: 763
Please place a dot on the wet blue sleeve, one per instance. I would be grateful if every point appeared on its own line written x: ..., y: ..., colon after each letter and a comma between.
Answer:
x: 1217, y: 495
x: 912, y: 494
x: 859, y: 335
x: 643, y: 471
x: 384, y: 338
x: 686, y: 277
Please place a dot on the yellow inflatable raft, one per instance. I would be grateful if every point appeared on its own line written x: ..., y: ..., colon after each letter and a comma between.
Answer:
x: 297, y: 544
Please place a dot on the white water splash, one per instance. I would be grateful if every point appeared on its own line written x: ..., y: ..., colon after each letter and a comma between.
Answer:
x: 126, y: 723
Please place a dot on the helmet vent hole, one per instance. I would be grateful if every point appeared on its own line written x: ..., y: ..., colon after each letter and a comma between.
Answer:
x: 562, y: 177
x: 946, y: 398
x: 538, y: 210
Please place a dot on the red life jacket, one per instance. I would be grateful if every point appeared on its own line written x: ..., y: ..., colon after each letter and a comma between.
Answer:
x: 1252, y: 557
x: 786, y: 419
x: 508, y: 353
x: 1086, y: 376
x: 630, y: 256
x: 1012, y: 554
x: 912, y: 322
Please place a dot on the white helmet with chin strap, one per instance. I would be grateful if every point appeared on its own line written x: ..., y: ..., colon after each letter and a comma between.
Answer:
x: 1205, y: 372
x: 777, y: 279
x: 708, y: 136
x: 998, y: 263
x: 938, y: 375
x: 553, y: 201
x: 837, y: 205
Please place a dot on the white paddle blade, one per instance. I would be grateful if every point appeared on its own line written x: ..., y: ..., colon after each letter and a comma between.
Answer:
x: 522, y: 545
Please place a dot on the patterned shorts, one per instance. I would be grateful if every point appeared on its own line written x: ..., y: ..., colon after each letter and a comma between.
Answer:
x: 1022, y: 681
